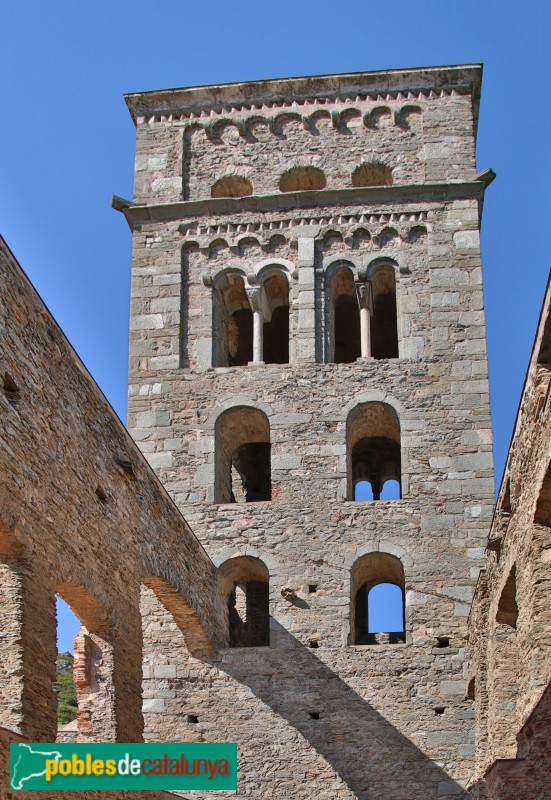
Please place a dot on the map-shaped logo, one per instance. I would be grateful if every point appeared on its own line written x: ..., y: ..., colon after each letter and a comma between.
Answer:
x: 30, y: 764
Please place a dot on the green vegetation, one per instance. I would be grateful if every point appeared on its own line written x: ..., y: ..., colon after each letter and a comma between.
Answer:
x: 65, y: 689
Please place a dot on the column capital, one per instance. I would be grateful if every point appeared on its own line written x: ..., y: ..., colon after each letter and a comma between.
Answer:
x: 365, y: 296
x: 254, y: 296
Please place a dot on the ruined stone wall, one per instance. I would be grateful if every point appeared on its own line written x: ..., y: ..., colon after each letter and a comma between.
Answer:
x: 509, y: 649
x: 313, y: 713
x: 81, y: 515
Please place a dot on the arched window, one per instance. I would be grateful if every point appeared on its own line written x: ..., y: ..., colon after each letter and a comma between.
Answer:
x: 232, y: 186
x: 373, y: 452
x: 377, y: 600
x: 93, y: 666
x: 275, y: 290
x: 233, y: 322
x: 300, y: 179
x: 372, y: 175
x: 242, y: 463
x: 384, y: 322
x: 245, y: 584
x: 345, y: 317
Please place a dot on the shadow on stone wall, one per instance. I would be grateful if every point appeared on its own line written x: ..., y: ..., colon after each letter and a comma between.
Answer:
x: 366, y: 751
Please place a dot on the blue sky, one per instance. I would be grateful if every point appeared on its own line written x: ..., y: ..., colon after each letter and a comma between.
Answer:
x: 67, y: 140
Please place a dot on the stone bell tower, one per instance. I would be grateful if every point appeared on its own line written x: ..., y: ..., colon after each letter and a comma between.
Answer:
x: 307, y: 329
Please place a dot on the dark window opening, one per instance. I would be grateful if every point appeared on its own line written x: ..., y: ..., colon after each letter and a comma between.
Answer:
x: 344, y: 324
x: 507, y: 610
x: 314, y: 714
x: 249, y: 614
x: 347, y: 330
x: 244, y: 581
x: 275, y: 292
x: 191, y: 718
x: 276, y: 337
x: 242, y: 458
x: 313, y: 643
x: 384, y: 322
x: 233, y: 322
x: 251, y: 473
x: 442, y: 641
x: 240, y: 338
x: 439, y: 710
x: 471, y: 689
x: 312, y: 588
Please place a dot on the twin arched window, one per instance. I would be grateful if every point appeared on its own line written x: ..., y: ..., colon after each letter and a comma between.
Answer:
x: 363, y: 318
x: 251, y: 326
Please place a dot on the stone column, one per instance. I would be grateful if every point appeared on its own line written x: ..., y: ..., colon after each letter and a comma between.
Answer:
x: 254, y: 296
x: 364, y: 298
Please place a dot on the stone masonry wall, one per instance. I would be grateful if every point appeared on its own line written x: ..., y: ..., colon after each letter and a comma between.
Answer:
x: 509, y: 650
x: 81, y: 515
x: 314, y: 714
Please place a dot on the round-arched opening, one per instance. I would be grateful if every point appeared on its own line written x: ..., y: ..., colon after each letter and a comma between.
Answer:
x: 374, y: 452
x: 384, y: 322
x: 373, y: 174
x: 245, y: 583
x: 233, y: 322
x: 345, y: 317
x: 302, y: 179
x: 276, y: 329
x: 377, y: 597
x: 232, y: 186
x: 242, y: 463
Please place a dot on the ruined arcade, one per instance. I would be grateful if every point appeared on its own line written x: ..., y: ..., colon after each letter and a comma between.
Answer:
x: 306, y: 332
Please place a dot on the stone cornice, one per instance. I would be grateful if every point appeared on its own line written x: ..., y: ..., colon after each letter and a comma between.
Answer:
x: 204, y: 101
x: 325, y: 198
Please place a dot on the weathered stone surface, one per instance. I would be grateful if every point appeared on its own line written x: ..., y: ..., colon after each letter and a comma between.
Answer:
x: 376, y: 703
x: 510, y: 625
